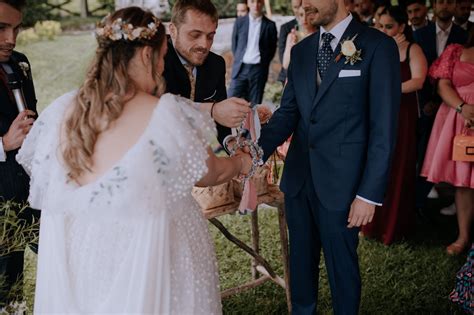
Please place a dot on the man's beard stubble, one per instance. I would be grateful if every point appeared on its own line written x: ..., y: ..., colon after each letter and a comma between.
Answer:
x: 188, y: 54
x: 324, y: 18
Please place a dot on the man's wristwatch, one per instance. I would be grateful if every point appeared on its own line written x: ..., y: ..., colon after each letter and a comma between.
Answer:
x: 459, y: 107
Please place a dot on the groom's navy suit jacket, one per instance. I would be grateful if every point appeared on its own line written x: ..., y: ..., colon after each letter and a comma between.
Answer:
x: 344, y: 130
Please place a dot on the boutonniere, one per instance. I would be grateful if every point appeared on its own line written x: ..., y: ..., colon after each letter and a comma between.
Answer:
x: 350, y: 51
x: 25, y: 67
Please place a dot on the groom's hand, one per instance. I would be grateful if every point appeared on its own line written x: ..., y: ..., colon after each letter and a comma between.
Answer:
x: 231, y: 112
x: 361, y: 213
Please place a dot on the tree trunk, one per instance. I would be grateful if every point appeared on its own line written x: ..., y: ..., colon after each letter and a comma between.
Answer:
x: 84, y: 9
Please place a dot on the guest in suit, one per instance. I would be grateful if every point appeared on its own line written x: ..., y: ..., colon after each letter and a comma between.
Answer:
x: 14, y: 126
x: 286, y: 29
x: 337, y: 166
x: 433, y: 39
x: 365, y: 9
x: 193, y: 71
x: 462, y: 14
x: 254, y: 41
x: 417, y: 13
x: 241, y: 8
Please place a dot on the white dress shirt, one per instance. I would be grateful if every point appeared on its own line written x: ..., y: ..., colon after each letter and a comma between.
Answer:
x: 442, y: 38
x: 337, y: 31
x: 3, y: 155
x: 252, y: 52
x: 184, y: 62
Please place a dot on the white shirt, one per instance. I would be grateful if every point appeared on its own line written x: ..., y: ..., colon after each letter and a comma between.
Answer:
x: 252, y: 52
x: 3, y: 155
x: 184, y: 62
x: 442, y: 38
x: 337, y: 31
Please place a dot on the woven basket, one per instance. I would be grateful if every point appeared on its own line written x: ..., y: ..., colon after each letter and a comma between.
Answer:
x: 214, y: 196
x: 259, y: 180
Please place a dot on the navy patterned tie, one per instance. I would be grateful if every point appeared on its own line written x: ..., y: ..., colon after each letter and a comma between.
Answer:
x: 325, y: 54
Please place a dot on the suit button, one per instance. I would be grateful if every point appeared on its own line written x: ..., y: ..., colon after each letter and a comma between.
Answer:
x: 312, y: 146
x: 313, y: 121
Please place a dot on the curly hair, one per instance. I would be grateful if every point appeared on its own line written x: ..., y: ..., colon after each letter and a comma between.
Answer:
x: 107, y: 87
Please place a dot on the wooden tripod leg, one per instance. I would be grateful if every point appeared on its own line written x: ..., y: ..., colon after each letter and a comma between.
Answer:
x: 285, y: 253
x: 255, y: 241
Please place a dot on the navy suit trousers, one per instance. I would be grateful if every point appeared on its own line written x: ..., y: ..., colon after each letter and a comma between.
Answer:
x: 312, y: 227
x: 250, y: 83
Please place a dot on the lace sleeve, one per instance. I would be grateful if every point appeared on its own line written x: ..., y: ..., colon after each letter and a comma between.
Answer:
x: 443, y: 67
x: 193, y: 133
x: 39, y: 146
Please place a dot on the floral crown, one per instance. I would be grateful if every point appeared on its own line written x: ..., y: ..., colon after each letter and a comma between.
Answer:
x: 118, y: 30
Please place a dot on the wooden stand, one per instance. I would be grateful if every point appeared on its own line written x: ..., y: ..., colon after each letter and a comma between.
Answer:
x: 261, y: 269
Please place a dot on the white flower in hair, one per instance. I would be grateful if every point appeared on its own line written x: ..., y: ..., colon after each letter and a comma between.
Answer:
x: 119, y: 30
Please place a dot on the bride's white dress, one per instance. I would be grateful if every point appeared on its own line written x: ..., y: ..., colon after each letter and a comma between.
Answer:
x: 134, y: 241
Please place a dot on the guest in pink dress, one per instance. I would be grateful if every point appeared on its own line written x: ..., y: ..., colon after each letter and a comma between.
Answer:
x: 455, y: 72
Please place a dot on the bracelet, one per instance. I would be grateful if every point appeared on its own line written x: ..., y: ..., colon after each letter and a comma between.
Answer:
x: 212, y: 109
x: 459, y: 107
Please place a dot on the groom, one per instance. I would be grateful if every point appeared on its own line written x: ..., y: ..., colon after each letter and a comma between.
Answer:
x: 343, y: 117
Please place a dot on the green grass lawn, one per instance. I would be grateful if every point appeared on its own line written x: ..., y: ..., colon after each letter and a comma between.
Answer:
x: 411, y: 277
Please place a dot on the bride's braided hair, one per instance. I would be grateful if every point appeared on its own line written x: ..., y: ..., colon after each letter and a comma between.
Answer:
x: 107, y: 86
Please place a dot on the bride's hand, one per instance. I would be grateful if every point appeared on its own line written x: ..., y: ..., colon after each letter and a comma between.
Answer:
x: 246, y: 162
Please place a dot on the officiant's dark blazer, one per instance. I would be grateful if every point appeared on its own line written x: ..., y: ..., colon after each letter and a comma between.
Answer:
x: 210, y: 81
x: 14, y: 182
x: 343, y: 130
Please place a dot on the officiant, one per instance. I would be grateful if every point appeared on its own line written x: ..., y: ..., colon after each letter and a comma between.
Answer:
x: 17, y: 112
x: 193, y: 71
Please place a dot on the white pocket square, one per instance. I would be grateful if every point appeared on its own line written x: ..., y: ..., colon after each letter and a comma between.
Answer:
x: 349, y: 73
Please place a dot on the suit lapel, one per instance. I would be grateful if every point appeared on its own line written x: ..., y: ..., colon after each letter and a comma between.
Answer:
x: 311, y: 65
x: 336, y: 66
x: 245, y: 30
x: 432, y: 43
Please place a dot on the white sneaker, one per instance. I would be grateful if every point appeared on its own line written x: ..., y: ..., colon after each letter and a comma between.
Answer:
x: 433, y: 194
x: 449, y: 210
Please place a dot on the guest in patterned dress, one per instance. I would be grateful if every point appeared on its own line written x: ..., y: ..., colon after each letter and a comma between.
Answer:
x: 455, y: 72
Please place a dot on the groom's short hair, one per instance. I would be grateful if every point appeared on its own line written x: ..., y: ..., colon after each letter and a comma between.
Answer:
x: 17, y: 4
x: 178, y: 14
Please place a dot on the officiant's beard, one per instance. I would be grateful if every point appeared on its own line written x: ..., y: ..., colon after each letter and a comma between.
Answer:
x: 194, y: 55
x: 6, y: 52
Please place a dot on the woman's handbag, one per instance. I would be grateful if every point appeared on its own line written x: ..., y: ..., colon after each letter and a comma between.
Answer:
x: 463, y: 147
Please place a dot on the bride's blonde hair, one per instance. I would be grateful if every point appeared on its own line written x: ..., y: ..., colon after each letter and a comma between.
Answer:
x: 107, y: 86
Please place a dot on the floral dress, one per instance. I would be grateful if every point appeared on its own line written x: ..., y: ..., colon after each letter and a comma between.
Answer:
x: 134, y: 241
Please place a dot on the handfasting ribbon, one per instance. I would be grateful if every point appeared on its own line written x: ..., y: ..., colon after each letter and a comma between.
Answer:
x: 249, y: 194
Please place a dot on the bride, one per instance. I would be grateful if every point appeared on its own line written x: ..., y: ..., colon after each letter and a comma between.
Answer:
x: 112, y: 166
